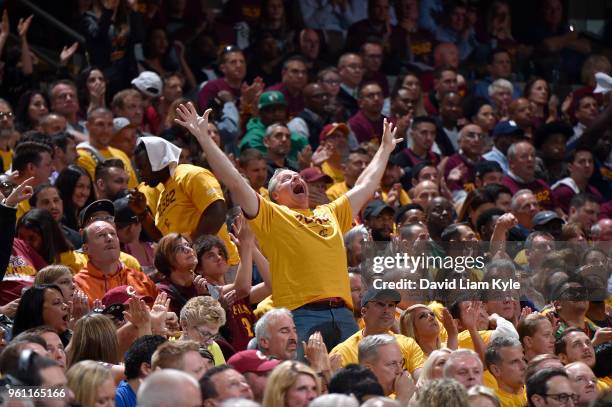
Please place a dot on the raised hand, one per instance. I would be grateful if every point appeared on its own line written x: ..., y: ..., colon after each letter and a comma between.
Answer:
x: 506, y: 221
x: 322, y: 154
x: 138, y: 314
x: 389, y: 141
x: 305, y: 157
x: 67, y: 53
x: 187, y: 116
x: 315, y: 352
x: 23, y: 26
x: 21, y: 192
x: 242, y: 235
x: 10, y: 309
x: 5, y: 26
x: 457, y: 173
x: 199, y: 283
x: 159, y: 313
x: 137, y: 202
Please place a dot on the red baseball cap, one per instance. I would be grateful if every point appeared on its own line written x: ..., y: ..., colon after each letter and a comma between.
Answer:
x: 314, y: 174
x: 122, y: 294
x: 328, y: 129
x: 252, y: 361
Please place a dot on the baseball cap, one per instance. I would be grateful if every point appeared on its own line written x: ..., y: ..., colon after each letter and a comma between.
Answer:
x: 385, y: 294
x: 101, y: 205
x: 328, y: 129
x: 375, y: 208
x: 252, y: 361
x: 271, y: 98
x: 121, y: 295
x: 120, y: 123
x: 543, y: 217
x: 123, y: 213
x: 604, y: 83
x: 314, y: 174
x: 149, y: 83
x: 507, y: 127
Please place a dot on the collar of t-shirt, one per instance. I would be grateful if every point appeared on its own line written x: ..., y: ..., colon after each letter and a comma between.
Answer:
x: 517, y: 178
x: 349, y: 90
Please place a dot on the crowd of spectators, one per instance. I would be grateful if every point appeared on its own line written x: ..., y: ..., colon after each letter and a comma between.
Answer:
x: 195, y: 202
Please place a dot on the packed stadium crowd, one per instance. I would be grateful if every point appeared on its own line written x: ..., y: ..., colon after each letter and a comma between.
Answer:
x: 306, y: 203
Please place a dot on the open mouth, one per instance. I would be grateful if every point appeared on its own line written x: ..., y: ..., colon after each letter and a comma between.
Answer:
x: 298, y: 189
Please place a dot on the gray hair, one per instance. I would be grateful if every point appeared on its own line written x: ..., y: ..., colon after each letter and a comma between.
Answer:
x: 263, y: 324
x: 500, y: 84
x: 239, y: 402
x: 368, y: 347
x: 457, y: 354
x: 492, y: 356
x: 511, y: 153
x: 514, y: 205
x: 159, y: 388
x: 334, y: 400
x: 532, y: 236
x: 480, y: 390
x: 270, y: 128
x: 429, y: 365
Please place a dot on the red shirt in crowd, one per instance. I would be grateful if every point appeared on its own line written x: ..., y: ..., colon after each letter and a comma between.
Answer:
x: 539, y: 188
x: 364, y: 129
x: 211, y: 89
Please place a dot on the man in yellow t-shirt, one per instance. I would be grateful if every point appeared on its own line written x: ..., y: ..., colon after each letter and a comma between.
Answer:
x: 378, y: 311
x: 191, y: 202
x: 356, y: 162
x: 505, y: 360
x: 305, y: 247
x: 100, y: 127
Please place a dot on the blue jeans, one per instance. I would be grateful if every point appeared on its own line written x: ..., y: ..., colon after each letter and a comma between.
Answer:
x: 335, y: 325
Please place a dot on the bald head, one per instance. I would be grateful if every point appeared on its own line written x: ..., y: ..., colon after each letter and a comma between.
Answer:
x: 169, y: 387
x: 424, y: 192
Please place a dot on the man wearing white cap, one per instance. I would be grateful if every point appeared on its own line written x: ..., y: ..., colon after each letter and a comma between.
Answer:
x: 100, y: 127
x: 191, y: 203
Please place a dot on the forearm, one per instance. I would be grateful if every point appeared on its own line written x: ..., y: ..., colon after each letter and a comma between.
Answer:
x: 148, y: 224
x: 479, y: 345
x: 26, y: 58
x: 224, y: 170
x: 211, y: 220
x: 244, y: 275
x: 369, y: 180
x: 263, y: 267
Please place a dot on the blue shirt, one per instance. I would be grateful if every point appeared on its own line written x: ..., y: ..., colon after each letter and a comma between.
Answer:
x: 124, y: 395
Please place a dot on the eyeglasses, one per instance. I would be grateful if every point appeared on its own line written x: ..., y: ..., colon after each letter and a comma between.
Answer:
x: 563, y: 398
x: 207, y: 336
x: 473, y: 135
x: 6, y: 115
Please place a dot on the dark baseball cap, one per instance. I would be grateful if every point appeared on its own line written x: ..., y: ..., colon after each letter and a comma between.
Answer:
x: 101, y: 205
x: 374, y: 294
x: 123, y: 213
x: 506, y: 128
x: 543, y: 217
x: 375, y: 208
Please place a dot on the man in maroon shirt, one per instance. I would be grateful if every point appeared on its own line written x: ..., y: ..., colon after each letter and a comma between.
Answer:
x: 471, y: 145
x: 367, y: 123
x: 423, y: 134
x: 295, y: 77
x: 372, y: 54
x: 233, y: 66
x: 580, y: 165
x: 522, y: 162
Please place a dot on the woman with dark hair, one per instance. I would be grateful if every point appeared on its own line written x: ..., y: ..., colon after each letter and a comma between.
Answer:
x: 537, y: 91
x: 31, y: 108
x: 43, y: 234
x: 476, y: 202
x: 76, y: 191
x: 91, y: 84
x: 43, y: 305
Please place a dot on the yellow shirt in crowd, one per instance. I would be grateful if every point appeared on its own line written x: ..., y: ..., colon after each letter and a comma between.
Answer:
x: 413, y: 355
x: 186, y: 195
x: 336, y: 174
x: 510, y: 399
x: 305, y: 251
x: 87, y: 161
x: 337, y: 190
x: 7, y: 159
x: 22, y: 208
x: 77, y: 261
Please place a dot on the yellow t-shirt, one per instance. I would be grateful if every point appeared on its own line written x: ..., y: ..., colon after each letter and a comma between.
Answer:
x: 78, y: 260
x: 336, y: 174
x: 215, y: 350
x: 465, y: 340
x: 349, y: 349
x: 337, y: 190
x: 186, y: 195
x: 152, y: 196
x: 512, y: 400
x: 22, y: 208
x: 305, y: 249
x: 7, y: 159
x: 403, y: 197
x: 263, y: 191
x: 604, y: 383
x: 264, y: 306
x: 87, y: 161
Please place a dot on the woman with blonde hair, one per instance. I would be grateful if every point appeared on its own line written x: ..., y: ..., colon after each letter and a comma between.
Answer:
x: 61, y: 276
x: 420, y: 323
x: 94, y: 338
x: 443, y: 393
x: 92, y: 384
x: 291, y: 384
x: 482, y: 396
x: 433, y: 366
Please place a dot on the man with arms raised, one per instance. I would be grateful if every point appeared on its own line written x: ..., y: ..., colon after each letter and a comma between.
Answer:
x: 306, y: 250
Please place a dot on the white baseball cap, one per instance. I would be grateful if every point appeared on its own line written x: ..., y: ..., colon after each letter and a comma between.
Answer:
x: 604, y: 83
x: 149, y: 83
